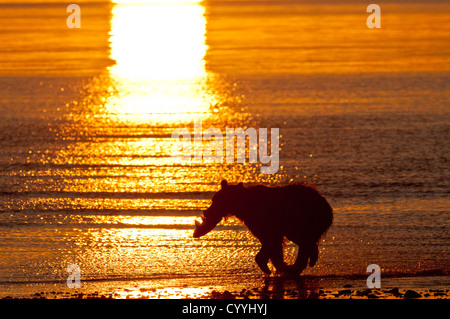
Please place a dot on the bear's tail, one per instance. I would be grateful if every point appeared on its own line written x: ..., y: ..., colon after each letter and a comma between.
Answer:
x: 323, y: 222
x: 324, y: 219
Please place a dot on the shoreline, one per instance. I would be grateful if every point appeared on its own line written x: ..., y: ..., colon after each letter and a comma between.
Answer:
x: 264, y: 288
x: 150, y: 294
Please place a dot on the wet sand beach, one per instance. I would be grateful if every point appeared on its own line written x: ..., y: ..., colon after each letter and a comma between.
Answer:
x: 135, y: 292
x: 87, y: 175
x: 259, y: 287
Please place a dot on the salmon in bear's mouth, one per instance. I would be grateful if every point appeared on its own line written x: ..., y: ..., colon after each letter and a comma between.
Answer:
x: 204, y: 227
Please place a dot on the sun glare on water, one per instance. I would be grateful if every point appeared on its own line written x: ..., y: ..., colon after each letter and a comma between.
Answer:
x: 159, y: 49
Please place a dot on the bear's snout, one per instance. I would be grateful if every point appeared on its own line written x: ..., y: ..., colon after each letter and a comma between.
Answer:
x: 205, y: 226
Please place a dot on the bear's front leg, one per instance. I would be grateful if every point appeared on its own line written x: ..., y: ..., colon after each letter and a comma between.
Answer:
x: 262, y: 258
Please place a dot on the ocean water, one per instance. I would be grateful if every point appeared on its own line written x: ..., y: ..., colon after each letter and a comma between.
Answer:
x: 87, y: 175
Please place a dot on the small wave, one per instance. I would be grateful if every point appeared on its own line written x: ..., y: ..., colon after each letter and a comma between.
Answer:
x: 171, y: 275
x: 25, y: 4
x: 116, y: 195
x: 388, y: 274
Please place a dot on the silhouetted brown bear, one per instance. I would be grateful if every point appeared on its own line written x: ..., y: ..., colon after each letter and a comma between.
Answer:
x: 297, y: 212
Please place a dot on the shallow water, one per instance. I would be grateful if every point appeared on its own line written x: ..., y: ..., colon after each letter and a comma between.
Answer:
x: 87, y: 175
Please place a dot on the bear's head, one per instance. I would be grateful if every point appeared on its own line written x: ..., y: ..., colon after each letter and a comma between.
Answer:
x: 224, y: 203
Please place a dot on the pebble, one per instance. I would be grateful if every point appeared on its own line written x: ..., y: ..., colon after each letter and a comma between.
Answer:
x: 411, y: 294
x: 348, y: 286
x: 256, y: 293
x: 225, y: 295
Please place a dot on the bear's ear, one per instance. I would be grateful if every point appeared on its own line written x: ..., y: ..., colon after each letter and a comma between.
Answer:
x: 224, y: 183
x: 240, y: 185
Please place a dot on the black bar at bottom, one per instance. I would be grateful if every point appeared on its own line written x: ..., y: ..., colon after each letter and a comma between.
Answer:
x: 198, y: 308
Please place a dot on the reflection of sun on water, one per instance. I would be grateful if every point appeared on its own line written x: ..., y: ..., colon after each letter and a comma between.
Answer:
x: 159, y: 49
x: 159, y: 82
